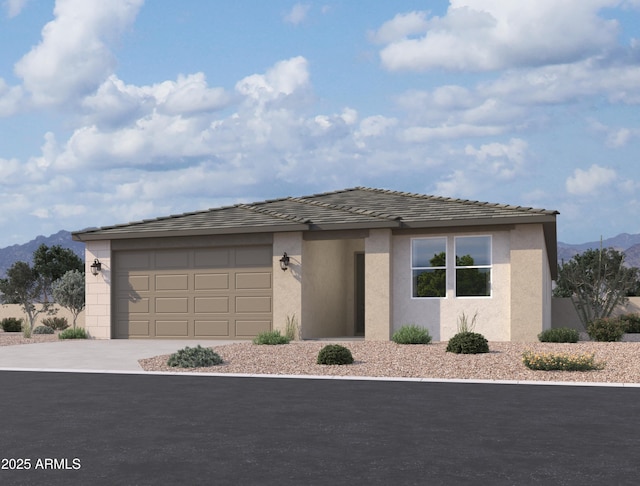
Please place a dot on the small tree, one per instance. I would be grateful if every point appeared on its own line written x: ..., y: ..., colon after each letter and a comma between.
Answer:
x: 68, y: 291
x: 597, y: 281
x: 22, y: 286
x: 51, y: 263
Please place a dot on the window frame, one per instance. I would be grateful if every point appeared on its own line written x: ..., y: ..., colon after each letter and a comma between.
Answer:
x: 412, y: 269
x: 484, y: 266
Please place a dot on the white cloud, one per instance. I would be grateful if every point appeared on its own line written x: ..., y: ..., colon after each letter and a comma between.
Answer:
x: 400, y: 27
x: 585, y: 182
x: 283, y: 79
x: 76, y: 41
x: 14, y: 7
x: 297, y: 14
x: 481, y: 35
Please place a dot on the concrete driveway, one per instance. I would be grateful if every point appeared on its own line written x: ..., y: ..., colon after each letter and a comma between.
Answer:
x: 90, y: 355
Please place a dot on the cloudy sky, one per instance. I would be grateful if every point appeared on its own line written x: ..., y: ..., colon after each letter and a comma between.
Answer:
x: 123, y: 110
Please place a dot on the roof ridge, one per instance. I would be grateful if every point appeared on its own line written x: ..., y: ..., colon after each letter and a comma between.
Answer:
x: 273, y: 213
x: 350, y: 209
x: 459, y: 200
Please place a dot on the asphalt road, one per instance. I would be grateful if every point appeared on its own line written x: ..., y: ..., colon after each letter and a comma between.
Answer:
x: 111, y: 429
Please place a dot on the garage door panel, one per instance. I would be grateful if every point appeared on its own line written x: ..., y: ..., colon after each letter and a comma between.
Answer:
x: 133, y: 328
x: 211, y: 305
x: 212, y: 328
x: 212, y: 258
x: 172, y: 305
x: 139, y: 306
x: 171, y: 259
x: 253, y: 304
x: 245, y: 328
x: 172, y: 282
x: 257, y: 256
x: 253, y: 281
x: 186, y: 293
x: 177, y: 329
x: 212, y: 281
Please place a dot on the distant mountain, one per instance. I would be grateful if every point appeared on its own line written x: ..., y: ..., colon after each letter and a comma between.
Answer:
x: 629, y: 244
x: 24, y: 252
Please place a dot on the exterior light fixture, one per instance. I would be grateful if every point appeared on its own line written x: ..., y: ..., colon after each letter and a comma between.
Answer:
x: 96, y: 266
x: 284, y: 261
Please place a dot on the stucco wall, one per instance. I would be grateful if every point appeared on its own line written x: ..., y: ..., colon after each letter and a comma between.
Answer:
x: 378, y: 275
x: 530, y: 291
x: 287, y: 285
x: 328, y: 287
x: 440, y: 315
x: 98, y: 290
x: 14, y: 310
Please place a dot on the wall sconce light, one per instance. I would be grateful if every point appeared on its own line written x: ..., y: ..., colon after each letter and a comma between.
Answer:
x: 284, y: 261
x: 96, y: 266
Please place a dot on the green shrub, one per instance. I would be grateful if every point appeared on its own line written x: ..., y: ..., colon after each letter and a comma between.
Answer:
x: 468, y: 342
x: 334, y: 354
x: 631, y: 322
x: 43, y: 330
x: 11, y: 324
x: 559, y: 335
x: 271, y: 337
x: 197, y: 357
x: 606, y: 329
x: 411, y: 334
x: 77, y: 333
x: 561, y: 362
x: 56, y: 323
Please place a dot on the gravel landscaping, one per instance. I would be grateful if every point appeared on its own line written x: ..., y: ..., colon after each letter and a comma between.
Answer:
x: 387, y: 359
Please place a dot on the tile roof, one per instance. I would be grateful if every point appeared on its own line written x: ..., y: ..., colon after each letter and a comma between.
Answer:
x: 356, y: 208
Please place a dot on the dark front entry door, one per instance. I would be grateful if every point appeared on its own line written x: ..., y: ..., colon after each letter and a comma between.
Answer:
x: 359, y: 294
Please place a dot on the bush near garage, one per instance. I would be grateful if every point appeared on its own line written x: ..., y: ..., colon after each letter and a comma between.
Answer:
x: 334, y: 354
x: 559, y: 335
x: 11, y: 324
x: 43, y: 330
x: 631, y: 322
x: 197, y: 357
x: 411, y: 334
x: 468, y: 342
x: 271, y: 338
x: 606, y: 329
x: 56, y: 323
x: 77, y: 333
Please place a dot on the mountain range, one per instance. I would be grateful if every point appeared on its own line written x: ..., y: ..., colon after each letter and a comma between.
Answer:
x: 628, y: 243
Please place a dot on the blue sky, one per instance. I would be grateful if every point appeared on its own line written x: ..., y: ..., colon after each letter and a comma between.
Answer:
x: 124, y: 110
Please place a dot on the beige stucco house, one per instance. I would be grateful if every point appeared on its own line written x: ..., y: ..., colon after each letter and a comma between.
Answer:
x: 360, y: 261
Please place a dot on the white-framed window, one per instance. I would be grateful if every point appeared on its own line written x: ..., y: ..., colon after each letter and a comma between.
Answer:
x: 473, y: 266
x: 429, y: 267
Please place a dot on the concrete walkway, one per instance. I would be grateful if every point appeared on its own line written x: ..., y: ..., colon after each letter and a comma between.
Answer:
x: 91, y: 355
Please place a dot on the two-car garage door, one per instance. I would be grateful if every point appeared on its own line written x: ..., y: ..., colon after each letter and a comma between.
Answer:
x: 216, y: 293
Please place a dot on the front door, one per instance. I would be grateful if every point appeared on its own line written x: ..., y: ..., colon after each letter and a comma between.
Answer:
x: 359, y: 294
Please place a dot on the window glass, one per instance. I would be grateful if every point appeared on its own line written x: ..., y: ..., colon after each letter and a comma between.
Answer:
x: 429, y: 273
x: 473, y: 266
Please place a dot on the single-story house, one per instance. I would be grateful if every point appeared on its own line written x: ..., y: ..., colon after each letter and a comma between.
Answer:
x: 354, y: 262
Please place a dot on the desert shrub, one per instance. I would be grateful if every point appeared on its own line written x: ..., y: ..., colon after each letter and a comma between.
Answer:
x: 334, y: 354
x: 468, y: 342
x: 56, y: 323
x: 292, y: 328
x: 73, y: 333
x: 197, y: 357
x: 606, y: 329
x: 559, y: 335
x: 411, y: 334
x: 561, y: 362
x: 631, y: 322
x: 43, y: 330
x: 271, y: 337
x: 11, y: 324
